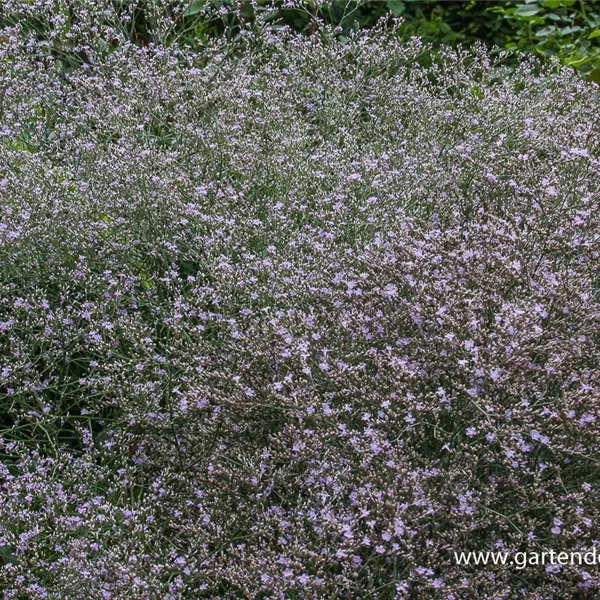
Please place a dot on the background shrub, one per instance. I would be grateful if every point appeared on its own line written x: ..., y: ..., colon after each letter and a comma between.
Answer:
x: 566, y: 29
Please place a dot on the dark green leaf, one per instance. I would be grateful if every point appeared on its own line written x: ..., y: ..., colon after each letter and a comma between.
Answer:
x: 525, y: 10
x: 194, y: 8
x: 396, y: 6
x: 7, y: 554
x: 594, y: 76
x: 546, y: 31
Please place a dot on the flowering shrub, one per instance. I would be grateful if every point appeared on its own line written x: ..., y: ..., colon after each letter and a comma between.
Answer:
x: 292, y: 318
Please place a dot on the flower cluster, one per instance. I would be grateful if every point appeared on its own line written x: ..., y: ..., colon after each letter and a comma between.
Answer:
x: 292, y: 317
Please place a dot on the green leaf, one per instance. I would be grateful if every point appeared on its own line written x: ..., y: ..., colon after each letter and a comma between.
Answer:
x: 527, y: 10
x: 552, y: 3
x: 396, y: 6
x: 194, y: 8
x: 546, y: 31
x: 102, y: 46
x: 7, y: 554
x: 594, y: 76
x: 575, y: 60
x: 594, y: 34
x: 146, y: 281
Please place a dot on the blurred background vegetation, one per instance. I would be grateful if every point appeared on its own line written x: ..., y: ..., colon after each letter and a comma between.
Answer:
x: 566, y: 29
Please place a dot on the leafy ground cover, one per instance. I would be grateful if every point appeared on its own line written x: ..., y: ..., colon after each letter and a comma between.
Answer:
x: 292, y: 317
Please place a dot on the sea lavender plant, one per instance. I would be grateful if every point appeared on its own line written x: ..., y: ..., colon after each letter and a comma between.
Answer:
x: 291, y: 317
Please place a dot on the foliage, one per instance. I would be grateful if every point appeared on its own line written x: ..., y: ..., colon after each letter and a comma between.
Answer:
x: 566, y: 29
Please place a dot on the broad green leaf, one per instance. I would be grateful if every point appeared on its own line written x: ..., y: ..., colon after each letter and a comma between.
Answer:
x: 594, y: 34
x: 396, y: 6
x: 594, y: 76
x: 527, y: 10
x: 546, y: 31
x: 575, y: 60
x: 194, y: 8
x: 570, y: 30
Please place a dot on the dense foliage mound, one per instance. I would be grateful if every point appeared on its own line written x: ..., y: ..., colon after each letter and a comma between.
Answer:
x: 294, y: 318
